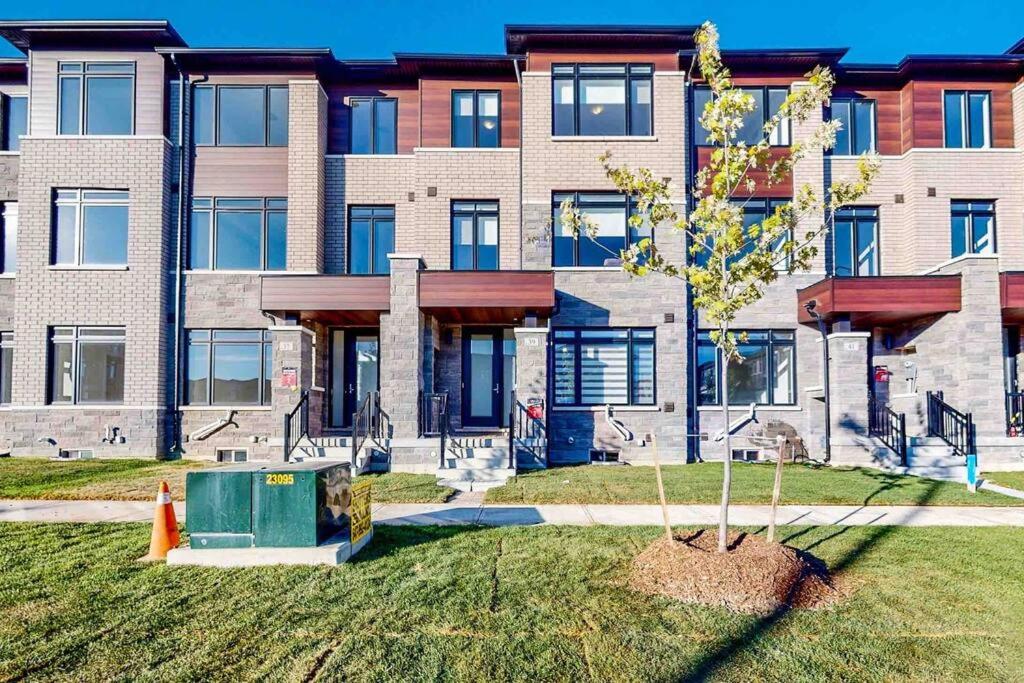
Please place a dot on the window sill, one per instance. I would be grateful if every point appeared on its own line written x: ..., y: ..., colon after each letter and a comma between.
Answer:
x: 219, y: 408
x: 87, y: 267
x: 213, y: 271
x: 370, y: 156
x: 9, y: 153
x: 746, y: 408
x: 8, y: 276
x: 454, y: 149
x: 600, y: 409
x: 586, y: 269
x: 604, y: 138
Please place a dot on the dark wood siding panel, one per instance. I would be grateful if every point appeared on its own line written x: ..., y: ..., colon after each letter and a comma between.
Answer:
x: 928, y: 117
x: 408, y: 96
x: 241, y: 172
x: 907, y: 116
x: 531, y: 290
x: 783, y: 189
x: 889, y: 124
x: 325, y: 293
x: 436, y: 112
x: 254, y: 79
x: 881, y: 300
x: 542, y: 60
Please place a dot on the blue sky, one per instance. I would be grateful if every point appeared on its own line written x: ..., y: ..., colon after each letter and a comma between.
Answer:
x: 876, y: 31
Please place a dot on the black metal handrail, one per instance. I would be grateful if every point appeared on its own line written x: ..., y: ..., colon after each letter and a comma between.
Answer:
x: 950, y: 425
x: 365, y: 422
x: 524, y: 432
x: 889, y: 426
x: 296, y: 425
x: 434, y: 421
x: 1015, y: 413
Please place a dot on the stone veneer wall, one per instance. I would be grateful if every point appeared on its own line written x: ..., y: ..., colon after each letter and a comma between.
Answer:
x: 307, y: 145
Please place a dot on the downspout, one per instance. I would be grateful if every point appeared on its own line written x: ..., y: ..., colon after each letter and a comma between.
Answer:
x: 810, y: 306
x: 519, y: 81
x: 176, y: 416
x: 692, y: 416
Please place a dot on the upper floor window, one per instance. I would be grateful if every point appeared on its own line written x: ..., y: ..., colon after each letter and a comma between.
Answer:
x: 96, y: 98
x: 474, y: 235
x: 87, y: 365
x: 476, y: 118
x: 974, y: 227
x: 604, y: 366
x: 238, y: 234
x: 967, y: 116
x: 6, y: 366
x: 371, y: 237
x: 229, y: 367
x: 8, y: 238
x: 755, y: 211
x: 240, y: 115
x: 90, y: 228
x: 857, y: 134
x: 767, y: 101
x: 766, y: 376
x: 855, y: 241
x: 610, y: 212
x: 13, y: 122
x: 374, y: 127
x: 602, y: 99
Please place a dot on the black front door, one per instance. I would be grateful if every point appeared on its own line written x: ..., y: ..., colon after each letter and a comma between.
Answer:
x: 488, y: 375
x: 355, y: 371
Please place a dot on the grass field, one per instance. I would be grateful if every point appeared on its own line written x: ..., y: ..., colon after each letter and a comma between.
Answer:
x: 39, y: 478
x: 520, y: 604
x: 1013, y: 480
x: 751, y: 483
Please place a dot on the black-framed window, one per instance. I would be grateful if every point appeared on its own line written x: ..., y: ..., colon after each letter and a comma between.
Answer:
x: 755, y: 211
x: 87, y: 365
x: 967, y: 118
x: 8, y: 238
x: 602, y: 99
x: 604, y: 366
x: 766, y: 376
x: 371, y: 237
x: 858, y: 116
x: 96, y: 98
x: 474, y: 235
x: 476, y: 118
x: 374, y: 125
x: 610, y: 211
x: 229, y: 367
x: 240, y: 115
x: 13, y: 121
x: 973, y: 225
x: 6, y: 366
x: 767, y: 101
x: 855, y: 241
x: 90, y: 228
x: 241, y: 233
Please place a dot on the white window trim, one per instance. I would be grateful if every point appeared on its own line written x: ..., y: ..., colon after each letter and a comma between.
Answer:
x: 79, y: 203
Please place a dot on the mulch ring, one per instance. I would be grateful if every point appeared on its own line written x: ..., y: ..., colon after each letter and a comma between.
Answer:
x: 754, y: 577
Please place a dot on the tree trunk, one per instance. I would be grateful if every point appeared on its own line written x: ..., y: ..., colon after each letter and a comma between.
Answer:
x: 723, y: 515
x: 777, y: 489
x: 661, y: 488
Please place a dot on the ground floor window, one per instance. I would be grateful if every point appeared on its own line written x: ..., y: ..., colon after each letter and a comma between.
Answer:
x: 604, y: 366
x: 766, y: 375
x: 87, y: 364
x: 229, y: 367
x: 6, y: 365
x: 8, y: 238
x: 232, y: 455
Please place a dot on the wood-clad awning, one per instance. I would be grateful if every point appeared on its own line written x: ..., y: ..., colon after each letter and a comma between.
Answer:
x: 486, y: 296
x: 1011, y: 296
x: 334, y: 299
x: 886, y: 300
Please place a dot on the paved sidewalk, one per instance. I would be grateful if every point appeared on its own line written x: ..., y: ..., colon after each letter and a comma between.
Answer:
x: 471, y: 512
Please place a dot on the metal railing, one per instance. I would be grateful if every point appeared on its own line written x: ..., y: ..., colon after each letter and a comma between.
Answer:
x: 950, y: 425
x: 434, y: 421
x: 365, y: 423
x: 889, y: 426
x: 1015, y: 413
x: 524, y: 433
x: 296, y: 425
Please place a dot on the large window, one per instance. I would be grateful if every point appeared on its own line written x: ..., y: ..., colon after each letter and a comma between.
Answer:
x: 8, y: 238
x: 90, y: 228
x: 967, y: 118
x: 604, y: 366
x: 87, y: 365
x: 474, y: 235
x: 96, y: 98
x: 766, y: 375
x: 13, y: 122
x: 610, y: 212
x: 857, y: 134
x: 602, y: 99
x: 6, y: 366
x: 476, y: 118
x: 229, y: 367
x: 755, y: 211
x: 371, y: 237
x: 238, y: 234
x: 374, y: 127
x: 974, y: 227
x: 767, y: 102
x: 240, y: 115
x: 855, y: 241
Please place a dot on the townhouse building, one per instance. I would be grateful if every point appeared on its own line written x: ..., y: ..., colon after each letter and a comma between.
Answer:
x: 266, y: 253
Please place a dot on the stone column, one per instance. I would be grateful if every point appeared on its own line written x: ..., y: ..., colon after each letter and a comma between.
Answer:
x: 532, y: 384
x: 848, y: 390
x: 307, y: 145
x: 293, y: 349
x: 401, y: 349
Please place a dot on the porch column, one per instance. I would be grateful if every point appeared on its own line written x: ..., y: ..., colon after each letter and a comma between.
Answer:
x: 532, y: 381
x: 293, y: 353
x: 401, y: 349
x: 848, y: 389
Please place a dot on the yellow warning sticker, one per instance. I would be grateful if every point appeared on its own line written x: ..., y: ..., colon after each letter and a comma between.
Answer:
x: 360, y: 523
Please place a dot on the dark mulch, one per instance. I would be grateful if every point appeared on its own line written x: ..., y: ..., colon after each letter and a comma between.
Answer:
x: 753, y: 577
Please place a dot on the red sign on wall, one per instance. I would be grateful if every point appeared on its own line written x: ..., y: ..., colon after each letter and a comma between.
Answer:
x: 882, y: 373
x: 290, y: 378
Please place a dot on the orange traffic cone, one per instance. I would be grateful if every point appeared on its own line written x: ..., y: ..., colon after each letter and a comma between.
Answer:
x: 165, y: 527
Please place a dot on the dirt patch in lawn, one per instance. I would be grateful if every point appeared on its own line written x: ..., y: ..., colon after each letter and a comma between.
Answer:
x: 753, y: 577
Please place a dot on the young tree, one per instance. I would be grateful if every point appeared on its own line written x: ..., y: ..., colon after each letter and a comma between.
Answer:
x: 730, y: 265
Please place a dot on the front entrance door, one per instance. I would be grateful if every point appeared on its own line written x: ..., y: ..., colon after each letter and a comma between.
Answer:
x: 488, y: 376
x: 355, y: 371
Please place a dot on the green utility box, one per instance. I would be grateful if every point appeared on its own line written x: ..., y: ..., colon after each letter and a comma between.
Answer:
x: 275, y: 506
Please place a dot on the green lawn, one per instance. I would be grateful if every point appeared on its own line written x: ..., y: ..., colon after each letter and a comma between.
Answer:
x: 751, y: 483
x: 403, y: 487
x: 1014, y: 480
x: 517, y: 603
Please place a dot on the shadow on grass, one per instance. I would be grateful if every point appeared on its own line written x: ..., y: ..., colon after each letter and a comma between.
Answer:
x: 718, y: 658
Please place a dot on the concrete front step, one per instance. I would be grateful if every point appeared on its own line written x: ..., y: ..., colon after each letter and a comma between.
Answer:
x: 467, y: 486
x: 491, y: 462
x: 958, y: 474
x: 918, y: 460
x: 470, y: 474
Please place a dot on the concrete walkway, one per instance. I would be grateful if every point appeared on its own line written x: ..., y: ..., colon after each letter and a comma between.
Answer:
x: 471, y: 512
